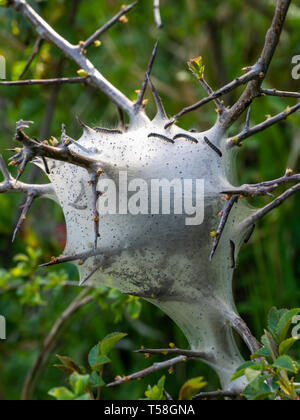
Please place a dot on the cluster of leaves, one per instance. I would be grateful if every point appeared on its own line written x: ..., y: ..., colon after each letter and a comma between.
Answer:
x: 272, y: 371
x: 85, y: 384
x: 31, y: 288
x: 186, y: 393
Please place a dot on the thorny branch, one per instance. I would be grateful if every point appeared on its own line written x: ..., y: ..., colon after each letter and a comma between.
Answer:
x: 254, y: 190
x: 108, y: 25
x: 268, y: 208
x: 32, y: 192
x: 216, y: 394
x: 10, y: 185
x: 75, y: 53
x: 236, y: 140
x: 56, y: 81
x: 36, y: 49
x: 254, y: 76
x: 151, y: 369
x: 179, y: 352
x: 33, y: 148
x: 271, y: 42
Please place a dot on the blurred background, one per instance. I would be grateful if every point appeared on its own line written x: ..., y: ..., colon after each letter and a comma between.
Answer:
x: 228, y: 35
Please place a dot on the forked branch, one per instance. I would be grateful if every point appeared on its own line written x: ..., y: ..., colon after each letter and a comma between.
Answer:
x: 253, y: 78
x: 75, y: 53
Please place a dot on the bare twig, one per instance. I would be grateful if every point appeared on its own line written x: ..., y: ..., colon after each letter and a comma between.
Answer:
x: 10, y: 185
x: 252, y: 74
x: 56, y: 81
x: 220, y: 106
x: 4, y: 170
x: 282, y: 94
x: 263, y: 188
x: 108, y: 25
x: 225, y: 214
x: 255, y: 74
x: 190, y: 354
x: 160, y: 107
x: 236, y: 140
x: 81, y: 300
x: 70, y: 258
x: 265, y: 210
x: 157, y: 16
x: 216, y: 394
x: 151, y: 369
x: 29, y: 200
x: 253, y: 90
x: 139, y: 102
x: 168, y: 396
x: 37, y: 46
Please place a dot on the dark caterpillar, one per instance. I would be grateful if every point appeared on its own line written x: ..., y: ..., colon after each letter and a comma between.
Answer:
x: 232, y: 254
x: 213, y: 147
x: 160, y: 136
x: 107, y: 130
x: 186, y: 136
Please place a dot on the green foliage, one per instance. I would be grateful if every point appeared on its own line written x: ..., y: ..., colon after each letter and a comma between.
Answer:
x: 191, y: 388
x: 271, y: 373
x: 156, y: 392
x: 82, y: 383
x: 79, y: 385
x: 197, y: 67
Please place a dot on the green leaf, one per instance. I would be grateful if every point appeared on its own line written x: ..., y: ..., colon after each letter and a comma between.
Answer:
x: 270, y: 344
x: 134, y: 308
x: 84, y: 397
x: 96, y: 381
x: 251, y: 392
x: 93, y: 354
x: 79, y: 383
x: 264, y: 396
x: 96, y: 360
x: 252, y: 374
x: 241, y: 370
x: 62, y: 394
x: 69, y: 363
x: 286, y: 345
x: 21, y: 258
x: 191, y: 388
x: 196, y: 67
x: 285, y: 323
x: 263, y: 352
x: 274, y: 317
x: 156, y: 393
x: 109, y: 342
x: 286, y: 363
x: 102, y: 360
